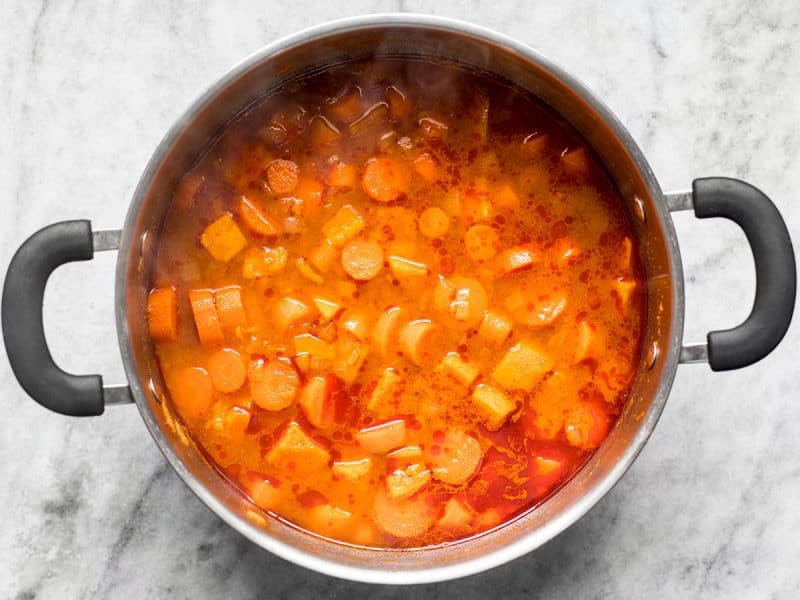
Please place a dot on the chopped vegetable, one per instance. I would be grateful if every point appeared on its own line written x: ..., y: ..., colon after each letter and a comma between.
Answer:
x: 352, y: 469
x: 586, y: 346
x: 230, y: 308
x: 385, y: 179
x: 522, y: 366
x: 624, y: 289
x: 385, y: 332
x: 350, y: 356
x: 456, y: 515
x: 192, y: 392
x: 345, y: 225
x: 462, y: 298
x: 481, y: 242
x: 296, y: 450
x: 273, y: 384
x: 162, y: 314
x: 459, y: 369
x: 306, y: 343
x: 227, y: 370
x: 362, y: 259
x: 416, y: 341
x: 493, y: 404
x: 405, y: 268
x: 289, y: 311
x: 263, y: 261
x: 327, y: 307
x: 434, y: 222
x: 307, y: 271
x: 495, y: 327
x: 546, y: 466
x: 223, y: 239
x: 357, y: 322
x: 426, y: 166
x: 586, y: 426
x: 379, y: 439
x: 399, y: 104
x: 316, y: 402
x: 402, y: 518
x: 402, y: 483
x: 283, y: 176
x: 387, y: 385
x: 206, y: 318
x: 323, y: 256
x: 322, y: 131
x: 256, y: 220
x: 515, y: 259
x: 343, y: 176
x: 458, y: 460
x: 576, y: 161
x: 265, y: 493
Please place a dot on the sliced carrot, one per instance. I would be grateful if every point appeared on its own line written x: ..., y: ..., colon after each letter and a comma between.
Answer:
x: 352, y: 469
x: 322, y: 132
x: 289, y: 311
x: 263, y: 261
x: 586, y: 426
x: 230, y: 308
x: 162, y: 314
x: 384, y: 334
x: 316, y: 402
x: 495, y: 327
x: 344, y: 225
x: 402, y: 483
x: 481, y: 242
x: 227, y: 370
x: 357, y: 321
x: 388, y: 383
x: 343, y: 176
x: 350, y: 356
x: 380, y: 438
x: 297, y: 451
x: 515, y: 259
x: 463, y: 371
x: 456, y: 515
x: 522, y: 367
x: 283, y: 176
x: 323, y: 256
x: 191, y: 391
x: 385, y: 179
x: 399, y: 104
x: 273, y: 384
x: 494, y: 405
x: 402, y: 518
x: 407, y: 269
x: 206, y: 318
x: 458, y: 459
x: 256, y: 220
x: 362, y: 259
x: 417, y: 342
x: 223, y: 239
x: 426, y: 166
x: 463, y: 299
x: 434, y: 222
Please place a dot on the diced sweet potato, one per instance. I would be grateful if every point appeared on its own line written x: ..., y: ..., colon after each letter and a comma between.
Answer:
x: 521, y: 367
x: 323, y: 256
x: 347, y: 107
x: 494, y: 405
x: 399, y: 104
x: 576, y: 161
x: 405, y: 268
x: 343, y: 176
x: 463, y: 299
x: 306, y: 343
x: 350, y: 356
x: 316, y: 402
x: 223, y: 239
x: 505, y: 197
x: 352, y: 469
x: 389, y: 381
x: 456, y: 516
x: 322, y: 132
x: 495, y: 327
x: 263, y: 261
x: 288, y: 311
x: 537, y: 311
x: 403, y: 483
x: 265, y: 493
x: 515, y: 259
x: 459, y: 369
x: 327, y: 307
x: 427, y: 167
x: 345, y: 225
x: 307, y: 271
x: 405, y: 453
x: 383, y: 437
x: 357, y: 321
x: 296, y: 450
x: 329, y: 520
x: 417, y: 341
x: 458, y: 459
x: 535, y: 144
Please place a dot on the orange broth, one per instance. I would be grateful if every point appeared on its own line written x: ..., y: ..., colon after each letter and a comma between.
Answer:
x: 397, y: 302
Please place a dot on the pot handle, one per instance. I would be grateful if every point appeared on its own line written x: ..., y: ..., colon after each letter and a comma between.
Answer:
x: 776, y: 276
x: 23, y: 331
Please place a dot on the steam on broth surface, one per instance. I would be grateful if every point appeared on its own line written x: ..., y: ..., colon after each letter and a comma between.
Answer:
x: 397, y: 302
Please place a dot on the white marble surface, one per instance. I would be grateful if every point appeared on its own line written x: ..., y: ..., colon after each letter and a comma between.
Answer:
x: 709, y: 510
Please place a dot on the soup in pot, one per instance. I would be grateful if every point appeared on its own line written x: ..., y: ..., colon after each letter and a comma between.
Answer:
x: 397, y: 302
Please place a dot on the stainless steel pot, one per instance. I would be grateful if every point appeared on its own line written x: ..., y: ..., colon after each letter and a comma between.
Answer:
x: 413, y: 36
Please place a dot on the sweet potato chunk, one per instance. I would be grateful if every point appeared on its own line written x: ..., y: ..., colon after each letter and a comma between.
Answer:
x: 316, y: 401
x: 389, y: 381
x: 522, y: 366
x: 459, y: 369
x: 223, y: 239
x: 345, y: 225
x: 289, y: 311
x: 380, y: 438
x: 495, y: 327
x: 493, y: 404
x: 456, y: 515
x: 352, y: 469
x: 296, y: 450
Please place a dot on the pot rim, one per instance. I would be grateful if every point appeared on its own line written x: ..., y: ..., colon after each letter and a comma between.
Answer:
x: 505, y: 553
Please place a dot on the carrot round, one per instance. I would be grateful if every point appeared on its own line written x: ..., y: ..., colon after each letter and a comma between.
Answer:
x: 273, y: 385
x: 458, y: 459
x: 283, y: 176
x: 227, y: 371
x: 192, y: 392
x: 434, y: 222
x: 385, y: 179
x: 463, y: 299
x: 403, y: 517
x: 417, y: 341
x: 206, y: 317
x: 362, y: 259
x: 586, y: 426
x: 256, y: 220
x: 481, y: 242
x: 162, y: 314
x: 343, y: 176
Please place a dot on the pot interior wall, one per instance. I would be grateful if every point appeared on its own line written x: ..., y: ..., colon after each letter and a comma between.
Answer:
x: 627, y: 168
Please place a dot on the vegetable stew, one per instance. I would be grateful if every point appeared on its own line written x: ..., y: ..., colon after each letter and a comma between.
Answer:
x: 397, y: 302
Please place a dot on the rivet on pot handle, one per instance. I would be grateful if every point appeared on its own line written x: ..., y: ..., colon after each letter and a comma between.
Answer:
x: 776, y: 275
x: 23, y: 330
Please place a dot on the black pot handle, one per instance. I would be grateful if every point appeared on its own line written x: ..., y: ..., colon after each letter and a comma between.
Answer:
x: 23, y: 331
x: 776, y: 276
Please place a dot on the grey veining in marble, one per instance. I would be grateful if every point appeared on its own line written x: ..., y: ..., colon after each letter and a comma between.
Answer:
x: 709, y: 510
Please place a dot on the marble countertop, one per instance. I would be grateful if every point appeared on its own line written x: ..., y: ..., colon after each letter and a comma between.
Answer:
x: 90, y: 508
